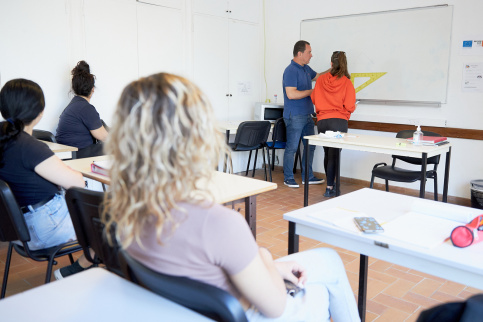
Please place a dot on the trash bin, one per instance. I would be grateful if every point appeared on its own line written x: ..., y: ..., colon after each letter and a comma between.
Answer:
x: 477, y: 194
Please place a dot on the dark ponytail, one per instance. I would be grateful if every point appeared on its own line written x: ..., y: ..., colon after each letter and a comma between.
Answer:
x: 82, y: 79
x: 21, y: 101
x: 339, y: 65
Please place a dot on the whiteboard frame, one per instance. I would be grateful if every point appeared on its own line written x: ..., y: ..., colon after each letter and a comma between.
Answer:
x: 403, y: 102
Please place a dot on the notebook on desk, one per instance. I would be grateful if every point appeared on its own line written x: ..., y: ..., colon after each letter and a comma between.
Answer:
x: 427, y: 225
x: 430, y: 140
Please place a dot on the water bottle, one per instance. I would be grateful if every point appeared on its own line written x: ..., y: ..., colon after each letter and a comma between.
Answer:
x: 417, y: 136
x: 275, y: 98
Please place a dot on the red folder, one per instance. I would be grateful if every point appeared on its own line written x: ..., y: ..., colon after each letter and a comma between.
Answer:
x: 431, y: 139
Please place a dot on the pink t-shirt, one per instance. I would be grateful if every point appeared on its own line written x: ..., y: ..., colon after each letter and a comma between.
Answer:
x: 209, y: 244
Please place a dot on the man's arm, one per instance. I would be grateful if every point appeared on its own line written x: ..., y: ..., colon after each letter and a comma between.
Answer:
x: 294, y: 94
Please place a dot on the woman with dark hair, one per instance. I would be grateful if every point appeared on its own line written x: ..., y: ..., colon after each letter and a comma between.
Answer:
x: 34, y: 172
x: 80, y: 125
x: 165, y: 217
x: 334, y: 98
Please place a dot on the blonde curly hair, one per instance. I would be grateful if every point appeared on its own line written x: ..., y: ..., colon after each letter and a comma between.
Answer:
x: 163, y: 142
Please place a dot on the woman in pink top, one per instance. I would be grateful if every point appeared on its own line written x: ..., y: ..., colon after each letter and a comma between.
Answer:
x: 164, y: 142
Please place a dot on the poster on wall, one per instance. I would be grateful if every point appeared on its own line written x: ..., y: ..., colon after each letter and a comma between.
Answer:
x: 473, y: 77
x: 472, y: 45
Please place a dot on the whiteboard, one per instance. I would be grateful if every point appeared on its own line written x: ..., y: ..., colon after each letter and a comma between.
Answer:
x: 400, y: 55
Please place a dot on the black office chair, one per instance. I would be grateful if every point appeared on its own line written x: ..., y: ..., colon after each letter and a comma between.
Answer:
x: 279, y: 141
x: 203, y: 298
x: 252, y: 135
x: 44, y: 135
x: 393, y: 173
x: 85, y: 207
x: 13, y: 228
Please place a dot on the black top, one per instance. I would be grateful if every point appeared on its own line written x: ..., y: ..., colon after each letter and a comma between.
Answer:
x: 21, y: 156
x: 76, y: 122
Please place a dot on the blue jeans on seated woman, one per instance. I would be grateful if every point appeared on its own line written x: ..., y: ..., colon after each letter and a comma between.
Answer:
x: 297, y: 126
x: 50, y: 225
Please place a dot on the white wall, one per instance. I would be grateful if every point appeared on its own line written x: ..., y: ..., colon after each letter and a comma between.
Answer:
x: 463, y: 110
x: 126, y: 39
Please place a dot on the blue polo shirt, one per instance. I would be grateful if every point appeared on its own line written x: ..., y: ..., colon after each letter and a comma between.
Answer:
x: 300, y: 77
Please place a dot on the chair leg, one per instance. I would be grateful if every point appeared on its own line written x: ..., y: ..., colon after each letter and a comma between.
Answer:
x: 255, y: 163
x: 372, y: 182
x: 269, y: 166
x: 273, y: 159
x: 265, y: 163
x: 248, y: 164
x: 49, y: 269
x: 387, y: 185
x: 7, y: 268
x: 71, y: 259
x: 435, y: 186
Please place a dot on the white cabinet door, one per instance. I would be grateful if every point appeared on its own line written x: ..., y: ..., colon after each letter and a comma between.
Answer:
x: 211, y: 7
x: 111, y: 50
x: 244, y: 69
x: 246, y: 10
x: 177, y: 4
x: 210, y: 61
x: 161, y: 40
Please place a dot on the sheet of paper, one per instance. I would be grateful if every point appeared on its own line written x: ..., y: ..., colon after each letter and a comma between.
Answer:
x: 444, y: 210
x: 419, y: 229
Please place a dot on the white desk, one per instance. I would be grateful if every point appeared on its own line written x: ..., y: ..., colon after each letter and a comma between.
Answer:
x: 225, y: 187
x: 385, y: 145
x: 228, y: 127
x: 93, y: 295
x: 462, y: 265
x: 62, y: 151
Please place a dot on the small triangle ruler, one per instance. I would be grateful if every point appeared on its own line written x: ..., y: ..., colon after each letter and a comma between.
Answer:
x: 372, y: 78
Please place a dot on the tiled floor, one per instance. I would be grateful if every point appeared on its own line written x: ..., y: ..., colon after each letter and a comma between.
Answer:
x: 395, y: 293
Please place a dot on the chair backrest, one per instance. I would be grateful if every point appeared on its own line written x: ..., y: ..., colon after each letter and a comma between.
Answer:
x: 405, y: 134
x: 205, y: 299
x: 44, y: 135
x: 85, y: 207
x: 279, y: 131
x: 12, y: 221
x: 252, y: 133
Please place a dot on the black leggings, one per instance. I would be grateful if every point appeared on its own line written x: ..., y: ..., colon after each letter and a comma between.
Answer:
x: 330, y: 154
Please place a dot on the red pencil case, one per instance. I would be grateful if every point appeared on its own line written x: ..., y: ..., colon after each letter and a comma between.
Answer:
x: 471, y: 233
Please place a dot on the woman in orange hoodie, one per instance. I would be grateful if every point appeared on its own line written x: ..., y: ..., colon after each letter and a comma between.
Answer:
x: 334, y: 98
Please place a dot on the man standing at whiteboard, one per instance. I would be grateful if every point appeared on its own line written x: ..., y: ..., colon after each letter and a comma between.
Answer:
x: 298, y: 107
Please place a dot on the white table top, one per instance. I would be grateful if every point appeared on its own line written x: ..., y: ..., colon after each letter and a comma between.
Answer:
x: 226, y: 187
x: 56, y: 147
x: 379, y: 144
x: 231, y: 126
x: 462, y: 265
x: 93, y: 295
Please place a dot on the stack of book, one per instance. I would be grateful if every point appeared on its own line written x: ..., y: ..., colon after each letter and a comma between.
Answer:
x: 431, y: 140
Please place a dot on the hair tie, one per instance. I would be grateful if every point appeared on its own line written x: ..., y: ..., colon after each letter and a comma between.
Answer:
x: 9, y: 120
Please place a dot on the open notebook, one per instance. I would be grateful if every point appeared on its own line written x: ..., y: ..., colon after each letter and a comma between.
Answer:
x: 427, y: 225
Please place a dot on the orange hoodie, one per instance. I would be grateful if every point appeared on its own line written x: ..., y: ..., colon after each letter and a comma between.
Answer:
x: 333, y: 97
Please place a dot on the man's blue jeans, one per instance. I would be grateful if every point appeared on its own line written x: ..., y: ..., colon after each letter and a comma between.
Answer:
x: 297, y: 126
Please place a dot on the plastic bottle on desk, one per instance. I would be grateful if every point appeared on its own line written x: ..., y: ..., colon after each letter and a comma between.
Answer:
x: 275, y: 98
x: 417, y: 136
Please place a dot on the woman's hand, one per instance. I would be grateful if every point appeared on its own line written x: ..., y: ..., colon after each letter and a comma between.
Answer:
x: 292, y: 271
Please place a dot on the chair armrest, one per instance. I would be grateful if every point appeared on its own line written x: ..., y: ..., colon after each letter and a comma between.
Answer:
x: 379, y: 164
